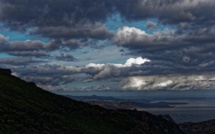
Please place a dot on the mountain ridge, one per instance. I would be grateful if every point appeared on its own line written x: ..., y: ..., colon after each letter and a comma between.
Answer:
x: 26, y: 108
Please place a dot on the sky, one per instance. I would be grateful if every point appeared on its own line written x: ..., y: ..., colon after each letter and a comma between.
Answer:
x: 110, y: 45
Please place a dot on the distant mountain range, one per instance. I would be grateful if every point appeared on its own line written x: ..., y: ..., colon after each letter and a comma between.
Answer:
x: 27, y: 109
x: 117, y: 103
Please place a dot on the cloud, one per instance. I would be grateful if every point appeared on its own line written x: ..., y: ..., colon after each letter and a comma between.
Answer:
x: 65, y: 57
x: 101, y: 71
x: 129, y: 63
x: 175, y: 11
x: 18, y: 61
x: 191, y: 21
x: 3, y: 39
x: 27, y: 45
x: 164, y: 84
x: 70, y: 44
x: 43, y: 74
x: 29, y: 54
x: 135, y: 74
x: 38, y: 48
x: 59, y: 11
x: 169, y: 52
x: 28, y: 48
x: 137, y: 61
x: 151, y: 25
x: 58, y: 19
x: 80, y: 19
x: 169, y: 82
x: 37, y: 45
x: 64, y: 20
x: 134, y: 83
x: 131, y: 36
x: 59, y: 74
x: 185, y: 47
x: 73, y: 31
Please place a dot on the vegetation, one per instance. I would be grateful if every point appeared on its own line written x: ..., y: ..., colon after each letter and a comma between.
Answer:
x: 205, y: 127
x: 27, y: 109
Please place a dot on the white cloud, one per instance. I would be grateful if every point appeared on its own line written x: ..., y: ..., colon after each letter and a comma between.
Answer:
x: 135, y: 83
x: 164, y: 84
x: 137, y: 61
x: 128, y: 31
x: 134, y: 36
x: 94, y: 65
x: 113, y: 70
x: 130, y: 62
x: 127, y: 34
x: 169, y: 82
x: 90, y: 71
x: 200, y: 78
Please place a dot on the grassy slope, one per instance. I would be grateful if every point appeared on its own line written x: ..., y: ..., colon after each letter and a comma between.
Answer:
x: 25, y: 108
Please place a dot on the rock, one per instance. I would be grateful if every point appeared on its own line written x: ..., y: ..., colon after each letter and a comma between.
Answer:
x: 5, y: 71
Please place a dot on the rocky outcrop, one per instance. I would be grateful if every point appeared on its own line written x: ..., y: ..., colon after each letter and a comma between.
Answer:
x: 5, y: 71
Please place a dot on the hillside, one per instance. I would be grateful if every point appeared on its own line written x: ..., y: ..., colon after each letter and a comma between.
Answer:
x: 205, y: 127
x: 27, y: 109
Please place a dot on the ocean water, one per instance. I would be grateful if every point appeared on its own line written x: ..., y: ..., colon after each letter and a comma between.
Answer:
x: 195, y: 110
x: 200, y: 104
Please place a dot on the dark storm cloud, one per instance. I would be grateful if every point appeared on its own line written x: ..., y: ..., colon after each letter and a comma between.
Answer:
x: 69, y: 19
x: 170, y: 52
x: 28, y: 45
x: 192, y: 20
x: 46, y: 70
x: 18, y: 61
x: 54, y: 75
x: 171, y: 11
x: 37, y: 48
x: 58, y: 19
x: 49, y: 80
x: 24, y: 45
x: 168, y: 38
x: 186, y: 47
x: 42, y: 13
x: 96, y: 31
x: 177, y: 59
x: 65, y: 44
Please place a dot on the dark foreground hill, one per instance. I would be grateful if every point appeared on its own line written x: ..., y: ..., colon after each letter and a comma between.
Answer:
x: 205, y: 127
x: 27, y: 109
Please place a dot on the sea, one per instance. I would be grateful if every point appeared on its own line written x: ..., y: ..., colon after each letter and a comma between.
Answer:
x: 194, y: 110
x: 196, y: 105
